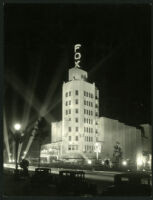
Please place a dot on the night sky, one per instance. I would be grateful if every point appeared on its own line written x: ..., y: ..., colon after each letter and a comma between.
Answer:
x: 116, y: 51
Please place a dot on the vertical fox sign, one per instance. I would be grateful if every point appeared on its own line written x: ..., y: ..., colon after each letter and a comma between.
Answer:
x: 77, y: 55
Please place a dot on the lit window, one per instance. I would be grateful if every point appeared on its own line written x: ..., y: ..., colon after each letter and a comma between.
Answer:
x: 69, y: 138
x: 77, y: 129
x: 69, y: 129
x: 76, y: 101
x: 76, y: 110
x: 76, y: 92
x: 70, y: 93
x: 76, y: 138
x: 76, y: 119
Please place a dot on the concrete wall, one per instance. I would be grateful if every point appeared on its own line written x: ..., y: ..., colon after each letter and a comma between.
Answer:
x: 112, y: 131
x: 56, y: 131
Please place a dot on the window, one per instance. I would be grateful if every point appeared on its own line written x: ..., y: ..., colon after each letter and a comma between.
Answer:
x: 69, y: 119
x: 69, y: 111
x: 87, y: 94
x: 77, y: 129
x: 87, y: 112
x: 66, y: 94
x: 84, y: 102
x: 96, y: 114
x: 84, y: 93
x: 76, y: 92
x: 84, y: 111
x: 76, y: 119
x: 69, y: 102
x: 87, y: 103
x: 91, y: 95
x: 87, y: 129
x: 76, y: 110
x: 76, y: 147
x: 66, y: 112
x: 69, y: 147
x: 76, y: 138
x: 69, y: 138
x: 73, y: 147
x: 66, y: 103
x: 91, y: 130
x: 91, y: 112
x: 91, y: 104
x: 84, y: 120
x: 70, y: 93
x: 69, y: 129
x: 76, y: 101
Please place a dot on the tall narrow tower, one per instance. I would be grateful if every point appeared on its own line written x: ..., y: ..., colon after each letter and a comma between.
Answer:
x: 80, y: 113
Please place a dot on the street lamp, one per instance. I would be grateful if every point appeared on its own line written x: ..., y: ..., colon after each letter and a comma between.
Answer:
x: 18, y: 135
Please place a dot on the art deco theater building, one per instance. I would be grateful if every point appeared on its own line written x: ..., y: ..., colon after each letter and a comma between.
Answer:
x: 82, y: 133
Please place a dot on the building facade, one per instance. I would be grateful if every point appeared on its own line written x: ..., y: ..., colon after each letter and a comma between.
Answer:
x: 82, y: 134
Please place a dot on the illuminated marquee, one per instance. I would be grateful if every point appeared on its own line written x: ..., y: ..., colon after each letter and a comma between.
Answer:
x: 77, y: 55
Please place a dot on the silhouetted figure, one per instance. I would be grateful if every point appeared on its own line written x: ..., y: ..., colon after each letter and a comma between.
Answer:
x: 24, y: 164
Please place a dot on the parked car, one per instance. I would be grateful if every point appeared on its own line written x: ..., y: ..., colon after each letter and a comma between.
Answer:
x: 42, y: 176
x: 130, y: 184
x: 73, y: 182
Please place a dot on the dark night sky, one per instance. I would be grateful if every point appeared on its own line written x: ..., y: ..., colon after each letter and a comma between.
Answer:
x: 115, y: 50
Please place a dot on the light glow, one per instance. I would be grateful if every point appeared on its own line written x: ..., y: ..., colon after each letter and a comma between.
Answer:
x: 17, y: 126
x: 124, y: 163
x: 89, y: 162
x: 139, y: 161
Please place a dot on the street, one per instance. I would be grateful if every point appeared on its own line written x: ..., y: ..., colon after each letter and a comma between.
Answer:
x: 102, y: 179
